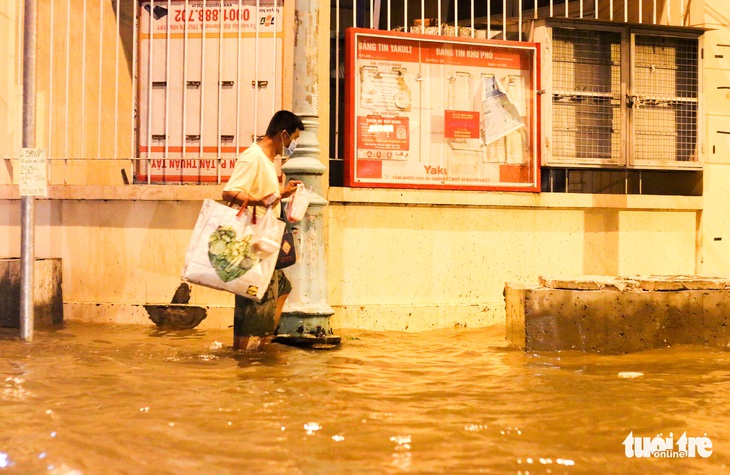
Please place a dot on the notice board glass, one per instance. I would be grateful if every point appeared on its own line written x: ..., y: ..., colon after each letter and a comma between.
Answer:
x: 434, y: 112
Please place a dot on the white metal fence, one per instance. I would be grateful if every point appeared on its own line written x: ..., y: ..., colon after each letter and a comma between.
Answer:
x: 171, y: 90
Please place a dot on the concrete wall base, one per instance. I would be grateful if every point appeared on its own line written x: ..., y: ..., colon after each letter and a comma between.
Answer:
x: 622, y: 316
x: 47, y: 296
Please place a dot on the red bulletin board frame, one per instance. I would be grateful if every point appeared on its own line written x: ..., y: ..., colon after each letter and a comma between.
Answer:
x: 387, y: 129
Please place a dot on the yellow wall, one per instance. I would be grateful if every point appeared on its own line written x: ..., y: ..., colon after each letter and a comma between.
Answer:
x: 11, y: 99
x: 714, y: 258
x: 391, y: 266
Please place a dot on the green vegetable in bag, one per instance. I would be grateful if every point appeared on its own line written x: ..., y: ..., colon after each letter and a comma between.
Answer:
x: 230, y: 257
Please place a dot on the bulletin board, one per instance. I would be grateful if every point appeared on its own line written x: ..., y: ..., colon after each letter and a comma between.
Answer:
x: 425, y: 111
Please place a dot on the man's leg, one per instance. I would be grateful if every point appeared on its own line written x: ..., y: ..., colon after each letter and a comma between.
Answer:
x: 283, y: 291
x: 253, y: 321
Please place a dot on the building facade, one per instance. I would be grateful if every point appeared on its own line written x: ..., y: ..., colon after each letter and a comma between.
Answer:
x: 142, y: 114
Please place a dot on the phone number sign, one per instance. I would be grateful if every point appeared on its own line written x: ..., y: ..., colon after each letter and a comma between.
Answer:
x: 33, y: 176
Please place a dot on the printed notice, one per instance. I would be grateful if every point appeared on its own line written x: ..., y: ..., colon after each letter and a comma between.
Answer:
x: 33, y: 176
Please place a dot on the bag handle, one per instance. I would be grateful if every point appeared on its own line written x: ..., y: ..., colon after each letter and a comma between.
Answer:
x: 243, y: 207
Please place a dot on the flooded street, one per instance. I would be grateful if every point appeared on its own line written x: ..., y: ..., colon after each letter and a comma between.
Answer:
x: 111, y: 399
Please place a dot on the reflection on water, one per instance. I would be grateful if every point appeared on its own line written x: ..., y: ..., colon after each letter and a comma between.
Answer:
x: 97, y: 399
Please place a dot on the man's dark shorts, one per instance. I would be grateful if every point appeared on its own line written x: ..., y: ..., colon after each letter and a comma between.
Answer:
x: 252, y: 318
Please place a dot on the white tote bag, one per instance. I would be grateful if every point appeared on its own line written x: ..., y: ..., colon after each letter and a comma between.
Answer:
x: 231, y: 250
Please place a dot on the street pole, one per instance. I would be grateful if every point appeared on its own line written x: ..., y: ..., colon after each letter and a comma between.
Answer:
x: 307, y: 307
x: 27, y: 203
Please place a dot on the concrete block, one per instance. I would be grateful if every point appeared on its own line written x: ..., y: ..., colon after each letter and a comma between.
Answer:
x: 680, y: 282
x: 47, y: 296
x: 716, y: 318
x: 616, y: 321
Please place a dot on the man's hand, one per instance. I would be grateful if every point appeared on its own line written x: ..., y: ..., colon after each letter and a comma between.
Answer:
x: 290, y: 188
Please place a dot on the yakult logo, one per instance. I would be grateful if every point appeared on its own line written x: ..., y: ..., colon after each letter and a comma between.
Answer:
x: 665, y: 447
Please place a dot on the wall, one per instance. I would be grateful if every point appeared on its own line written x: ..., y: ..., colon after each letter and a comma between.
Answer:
x: 11, y: 92
x: 395, y: 262
x: 417, y: 266
x: 714, y: 257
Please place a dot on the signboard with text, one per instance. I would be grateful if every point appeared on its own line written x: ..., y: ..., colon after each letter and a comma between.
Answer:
x: 33, y: 175
x: 425, y: 111
x: 210, y: 75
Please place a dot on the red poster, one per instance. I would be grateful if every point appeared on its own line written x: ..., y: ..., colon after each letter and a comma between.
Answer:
x: 461, y: 124
x: 377, y: 135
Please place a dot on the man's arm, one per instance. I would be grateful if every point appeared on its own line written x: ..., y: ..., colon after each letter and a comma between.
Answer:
x: 239, y: 198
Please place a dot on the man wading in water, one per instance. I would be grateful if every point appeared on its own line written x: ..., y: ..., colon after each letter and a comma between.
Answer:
x: 258, y: 179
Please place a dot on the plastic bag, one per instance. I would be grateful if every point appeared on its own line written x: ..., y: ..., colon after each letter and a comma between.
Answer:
x: 298, y: 204
x: 231, y: 250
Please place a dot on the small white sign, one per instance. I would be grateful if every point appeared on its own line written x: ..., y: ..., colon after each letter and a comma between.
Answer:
x: 33, y: 172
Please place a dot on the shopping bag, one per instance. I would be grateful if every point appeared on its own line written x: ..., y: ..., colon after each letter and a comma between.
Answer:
x: 287, y: 252
x: 297, y: 205
x: 231, y: 250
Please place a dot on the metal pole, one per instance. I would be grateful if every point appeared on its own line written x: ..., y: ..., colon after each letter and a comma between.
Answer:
x: 307, y: 305
x: 27, y: 203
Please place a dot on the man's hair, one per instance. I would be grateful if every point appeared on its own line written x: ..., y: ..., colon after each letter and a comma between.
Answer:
x: 284, y: 120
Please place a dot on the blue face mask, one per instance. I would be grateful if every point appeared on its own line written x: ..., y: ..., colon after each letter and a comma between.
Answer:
x: 288, y: 151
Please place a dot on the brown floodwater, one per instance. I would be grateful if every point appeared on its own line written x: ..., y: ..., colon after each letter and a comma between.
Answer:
x: 118, y: 399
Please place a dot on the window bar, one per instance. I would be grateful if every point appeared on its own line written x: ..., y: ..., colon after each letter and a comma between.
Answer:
x: 150, y: 63
x: 220, y: 88
x: 166, y: 153
x: 354, y: 13
x: 337, y: 75
x: 534, y: 15
x: 83, y: 80
x: 519, y: 20
x: 101, y: 61
x: 20, y: 9
x: 276, y: 58
x: 504, y: 19
x: 50, y: 85
x: 595, y: 9
x: 551, y: 7
x: 610, y: 10
x: 580, y: 9
x: 439, y: 16
x: 423, y: 16
x: 238, y: 80
x: 489, y: 18
x: 201, y: 115
x: 654, y: 12
x: 116, y: 81
x: 338, y: 28
x: 132, y: 152
x: 641, y: 12
x: 372, y: 7
x: 626, y: 11
x: 256, y: 75
x: 405, y: 15
x: 566, y: 8
x: 456, y: 18
x: 68, y: 79
x: 183, y: 138
x: 472, y: 17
